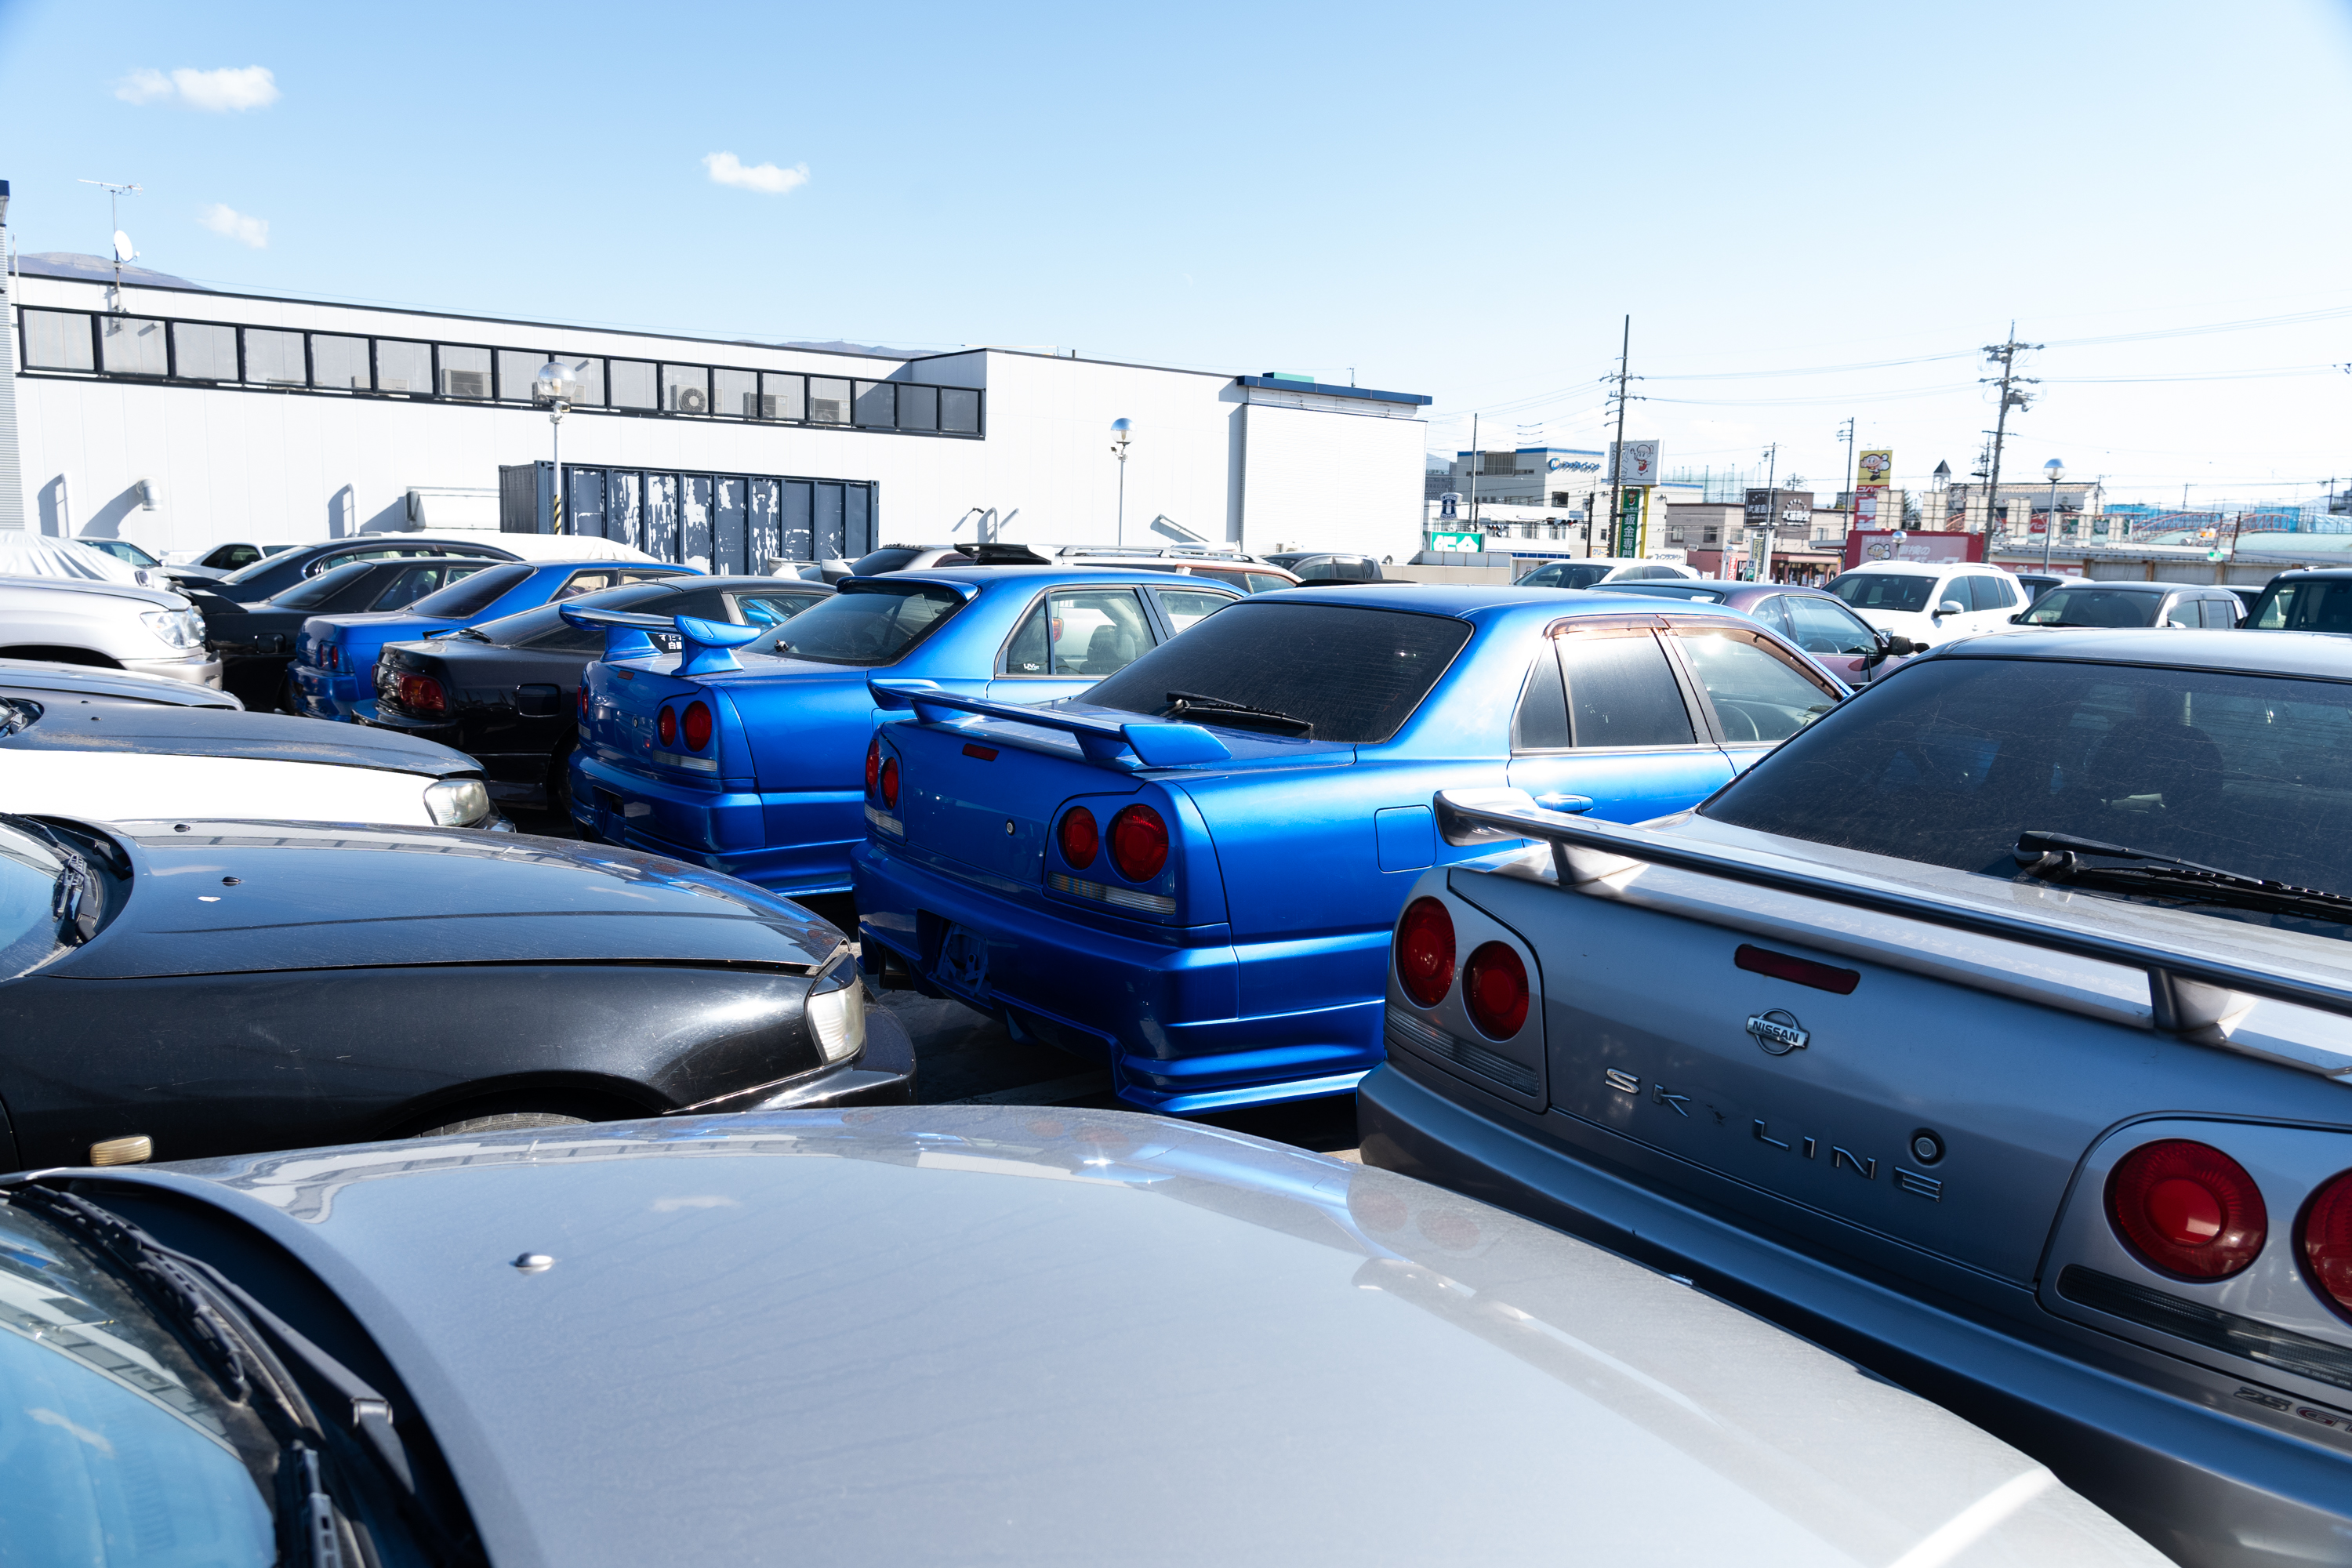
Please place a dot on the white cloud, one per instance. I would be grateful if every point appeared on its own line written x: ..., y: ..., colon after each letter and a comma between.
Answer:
x: 223, y: 219
x: 726, y: 169
x: 221, y: 91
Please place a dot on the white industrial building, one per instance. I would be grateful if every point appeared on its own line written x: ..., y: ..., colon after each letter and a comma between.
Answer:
x: 177, y: 417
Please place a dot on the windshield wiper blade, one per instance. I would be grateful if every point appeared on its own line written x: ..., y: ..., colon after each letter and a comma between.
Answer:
x: 1182, y: 702
x: 2057, y: 857
x: 78, y: 901
x: 14, y: 716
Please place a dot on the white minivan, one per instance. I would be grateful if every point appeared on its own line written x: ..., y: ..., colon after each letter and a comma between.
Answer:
x: 1932, y: 601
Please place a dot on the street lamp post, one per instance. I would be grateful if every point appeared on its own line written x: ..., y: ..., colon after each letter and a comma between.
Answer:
x: 553, y: 389
x: 2056, y: 471
x: 1120, y: 430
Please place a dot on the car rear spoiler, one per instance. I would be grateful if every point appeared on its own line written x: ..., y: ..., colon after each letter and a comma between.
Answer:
x: 2189, y: 992
x: 709, y: 645
x: 1151, y: 744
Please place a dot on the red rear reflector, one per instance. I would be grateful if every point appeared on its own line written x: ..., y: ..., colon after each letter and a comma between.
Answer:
x: 1495, y: 989
x: 583, y: 697
x: 695, y: 726
x: 421, y: 694
x: 2328, y: 1243
x: 873, y: 763
x: 1424, y: 952
x: 2187, y: 1209
x: 667, y: 728
x: 890, y: 783
x: 1078, y: 837
x: 1802, y: 971
x: 1138, y: 843
x: 985, y: 753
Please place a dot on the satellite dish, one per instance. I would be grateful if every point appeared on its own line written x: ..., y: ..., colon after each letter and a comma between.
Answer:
x: 122, y: 251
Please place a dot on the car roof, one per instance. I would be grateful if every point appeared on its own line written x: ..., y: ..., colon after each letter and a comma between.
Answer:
x: 2300, y: 574
x: 1925, y: 568
x: 891, y: 1333
x: 980, y: 576
x: 2321, y: 655
x: 1468, y: 600
x: 2140, y: 585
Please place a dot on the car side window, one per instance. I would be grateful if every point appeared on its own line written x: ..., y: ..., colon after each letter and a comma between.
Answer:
x: 1186, y: 607
x: 1541, y: 722
x: 1773, y: 612
x: 408, y: 585
x: 1758, y: 693
x: 1825, y: 626
x: 580, y: 582
x: 2184, y: 613
x: 231, y: 557
x: 1085, y: 632
x: 771, y: 609
x: 1267, y: 582
x: 2221, y: 613
x: 1622, y: 691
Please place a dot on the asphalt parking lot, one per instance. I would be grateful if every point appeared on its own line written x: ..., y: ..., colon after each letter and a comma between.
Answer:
x: 965, y: 1059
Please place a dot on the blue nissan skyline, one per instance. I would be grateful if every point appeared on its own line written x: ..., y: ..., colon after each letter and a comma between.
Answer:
x: 1189, y: 873
x: 743, y: 751
x: 334, y: 655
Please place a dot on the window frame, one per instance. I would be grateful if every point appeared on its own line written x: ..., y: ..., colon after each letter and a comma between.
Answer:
x: 1696, y: 689
x: 1150, y: 611
x: 1701, y: 720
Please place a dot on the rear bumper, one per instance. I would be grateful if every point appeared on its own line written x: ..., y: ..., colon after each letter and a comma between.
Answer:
x: 882, y: 1074
x: 320, y: 695
x: 734, y: 831
x: 1160, y: 1014
x: 2207, y: 1487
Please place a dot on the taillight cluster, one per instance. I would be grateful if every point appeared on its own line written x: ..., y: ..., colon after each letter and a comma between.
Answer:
x: 420, y: 693
x: 583, y: 699
x: 1494, y: 982
x: 1138, y: 840
x: 881, y: 775
x: 693, y: 726
x: 2187, y: 1209
x: 331, y: 656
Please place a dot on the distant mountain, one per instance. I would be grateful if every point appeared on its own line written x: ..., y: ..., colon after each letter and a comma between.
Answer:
x: 837, y: 346
x: 96, y: 269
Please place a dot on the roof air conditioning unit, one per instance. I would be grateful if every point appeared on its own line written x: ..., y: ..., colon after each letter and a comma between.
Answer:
x: 464, y: 383
x: 759, y: 407
x: 692, y: 400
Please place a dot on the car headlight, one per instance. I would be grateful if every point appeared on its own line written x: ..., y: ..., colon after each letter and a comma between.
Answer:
x: 458, y: 803
x: 836, y: 1012
x: 181, y: 629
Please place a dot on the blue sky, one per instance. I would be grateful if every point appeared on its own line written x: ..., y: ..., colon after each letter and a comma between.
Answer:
x: 1462, y: 202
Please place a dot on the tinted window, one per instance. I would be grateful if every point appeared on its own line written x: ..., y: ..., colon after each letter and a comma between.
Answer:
x: 1187, y: 607
x: 1267, y: 582
x: 1090, y: 632
x: 891, y: 558
x: 477, y: 592
x: 1356, y: 675
x: 864, y: 623
x: 2184, y: 613
x: 773, y: 609
x: 1541, y: 722
x: 1563, y: 574
x: 316, y: 591
x: 1987, y: 592
x: 2084, y: 606
x: 1950, y: 760
x: 1884, y: 591
x: 229, y: 557
x: 1823, y: 626
x: 1759, y: 695
x: 545, y: 627
x: 2314, y: 604
x: 1622, y: 691
x: 413, y: 583
x: 2221, y: 613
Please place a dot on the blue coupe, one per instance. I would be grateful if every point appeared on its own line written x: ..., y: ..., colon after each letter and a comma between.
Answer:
x: 334, y: 655
x: 1191, y: 872
x: 743, y: 751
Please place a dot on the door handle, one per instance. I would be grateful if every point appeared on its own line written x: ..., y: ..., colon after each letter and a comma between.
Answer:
x: 1570, y: 804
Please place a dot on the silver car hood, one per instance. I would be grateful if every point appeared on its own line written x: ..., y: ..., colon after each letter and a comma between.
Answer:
x: 1044, y: 1336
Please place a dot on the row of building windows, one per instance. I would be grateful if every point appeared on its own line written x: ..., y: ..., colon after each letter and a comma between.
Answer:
x: 269, y: 357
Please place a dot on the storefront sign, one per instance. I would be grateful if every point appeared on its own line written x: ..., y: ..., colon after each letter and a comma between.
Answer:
x: 1463, y: 543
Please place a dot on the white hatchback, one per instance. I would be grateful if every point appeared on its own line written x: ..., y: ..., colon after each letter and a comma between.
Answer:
x: 1932, y: 601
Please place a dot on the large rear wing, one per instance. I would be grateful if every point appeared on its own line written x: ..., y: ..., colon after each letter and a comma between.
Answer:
x: 2189, y: 992
x: 1105, y: 741
x: 709, y: 645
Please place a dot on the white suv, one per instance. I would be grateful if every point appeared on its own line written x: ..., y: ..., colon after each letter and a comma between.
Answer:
x: 77, y: 620
x: 1932, y: 601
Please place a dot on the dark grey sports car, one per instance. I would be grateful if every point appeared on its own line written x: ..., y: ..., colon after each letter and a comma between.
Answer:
x: 187, y: 988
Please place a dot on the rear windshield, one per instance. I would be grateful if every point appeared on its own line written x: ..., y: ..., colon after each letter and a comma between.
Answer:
x: 475, y: 594
x: 252, y: 569
x: 2310, y: 604
x: 889, y: 558
x: 1564, y: 576
x: 1884, y: 590
x: 323, y: 587
x: 2094, y: 607
x: 1949, y: 760
x: 546, y: 628
x: 865, y: 623
x: 1356, y: 675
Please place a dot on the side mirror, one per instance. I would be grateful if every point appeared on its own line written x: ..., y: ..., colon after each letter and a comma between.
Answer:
x: 1903, y: 647
x: 2018, y: 619
x: 1951, y: 607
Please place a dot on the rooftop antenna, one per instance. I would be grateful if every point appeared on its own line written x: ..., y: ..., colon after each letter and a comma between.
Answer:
x: 122, y: 251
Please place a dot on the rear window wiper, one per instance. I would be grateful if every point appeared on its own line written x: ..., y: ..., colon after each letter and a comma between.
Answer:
x: 1182, y: 703
x: 2058, y: 858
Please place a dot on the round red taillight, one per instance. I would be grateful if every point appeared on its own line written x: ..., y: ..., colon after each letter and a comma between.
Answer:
x: 666, y: 727
x: 2187, y: 1209
x: 1138, y: 843
x: 583, y: 701
x: 1494, y: 988
x: 695, y: 726
x: 889, y: 782
x: 2327, y: 1242
x: 1079, y: 837
x: 873, y: 763
x: 1424, y: 952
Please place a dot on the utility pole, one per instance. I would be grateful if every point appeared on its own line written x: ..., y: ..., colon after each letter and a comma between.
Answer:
x: 1617, y: 454
x: 1474, y: 479
x: 1846, y: 430
x: 1762, y: 566
x: 2005, y: 355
